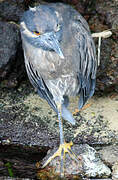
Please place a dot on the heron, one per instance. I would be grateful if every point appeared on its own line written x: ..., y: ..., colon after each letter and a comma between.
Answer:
x: 60, y: 60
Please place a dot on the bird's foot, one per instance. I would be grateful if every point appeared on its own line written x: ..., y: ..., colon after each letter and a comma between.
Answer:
x: 63, y: 148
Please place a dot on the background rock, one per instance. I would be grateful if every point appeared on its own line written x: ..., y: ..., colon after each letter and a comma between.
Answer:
x: 109, y: 154
x: 11, y: 10
x: 9, y: 39
x: 115, y: 171
x: 108, y: 12
x: 11, y: 54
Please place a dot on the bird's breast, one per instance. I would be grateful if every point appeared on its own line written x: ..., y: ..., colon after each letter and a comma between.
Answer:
x: 49, y: 64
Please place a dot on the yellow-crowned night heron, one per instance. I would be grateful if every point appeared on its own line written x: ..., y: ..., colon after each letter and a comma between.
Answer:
x: 60, y: 60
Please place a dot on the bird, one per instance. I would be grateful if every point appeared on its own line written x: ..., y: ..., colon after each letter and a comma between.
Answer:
x: 60, y: 60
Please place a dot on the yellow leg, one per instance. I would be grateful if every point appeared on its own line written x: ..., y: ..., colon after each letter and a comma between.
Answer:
x: 66, y: 148
x: 63, y: 148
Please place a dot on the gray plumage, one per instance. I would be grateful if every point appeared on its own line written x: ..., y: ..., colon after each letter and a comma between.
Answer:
x: 61, y: 61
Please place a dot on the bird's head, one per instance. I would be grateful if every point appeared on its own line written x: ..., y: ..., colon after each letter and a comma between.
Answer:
x: 42, y: 27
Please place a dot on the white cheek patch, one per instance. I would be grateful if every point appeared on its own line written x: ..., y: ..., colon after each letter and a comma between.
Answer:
x: 26, y: 30
x: 32, y: 9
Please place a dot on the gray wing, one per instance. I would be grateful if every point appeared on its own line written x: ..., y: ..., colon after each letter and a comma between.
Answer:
x: 85, y: 52
x: 39, y: 84
x: 87, y: 65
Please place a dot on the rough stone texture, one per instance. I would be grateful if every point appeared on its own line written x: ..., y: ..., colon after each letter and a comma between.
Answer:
x: 9, y: 38
x: 109, y: 154
x: 11, y: 10
x: 106, y: 17
x: 11, y: 55
x: 115, y: 171
x: 108, y: 11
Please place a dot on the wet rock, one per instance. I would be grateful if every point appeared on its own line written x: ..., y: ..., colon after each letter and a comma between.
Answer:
x: 89, y: 163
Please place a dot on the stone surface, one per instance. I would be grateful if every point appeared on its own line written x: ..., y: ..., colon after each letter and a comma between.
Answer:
x: 115, y: 171
x: 12, y: 68
x: 109, y: 154
x: 106, y: 18
x: 109, y: 12
x: 9, y: 38
x: 11, y: 10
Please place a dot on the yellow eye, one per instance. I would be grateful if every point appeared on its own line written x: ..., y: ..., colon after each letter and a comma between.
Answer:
x: 37, y: 33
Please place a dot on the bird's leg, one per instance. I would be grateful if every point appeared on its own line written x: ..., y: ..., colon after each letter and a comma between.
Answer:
x: 63, y: 148
x: 61, y: 140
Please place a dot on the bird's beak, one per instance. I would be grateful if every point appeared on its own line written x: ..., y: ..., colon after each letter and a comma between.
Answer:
x: 56, y: 46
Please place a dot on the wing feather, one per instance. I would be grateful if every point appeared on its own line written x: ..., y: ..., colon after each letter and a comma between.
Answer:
x: 40, y: 85
x: 87, y: 68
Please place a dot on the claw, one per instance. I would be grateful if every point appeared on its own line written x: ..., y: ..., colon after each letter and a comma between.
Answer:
x: 63, y: 148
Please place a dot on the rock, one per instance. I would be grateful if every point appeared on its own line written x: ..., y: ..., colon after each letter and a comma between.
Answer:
x: 11, y: 55
x: 107, y: 76
x: 11, y: 10
x: 115, y: 171
x: 106, y: 17
x: 108, y: 11
x: 89, y: 164
x: 9, y: 39
x: 93, y: 166
x: 19, y: 161
x: 109, y: 154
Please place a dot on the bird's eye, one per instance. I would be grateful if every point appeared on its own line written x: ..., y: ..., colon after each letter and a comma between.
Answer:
x: 58, y: 27
x: 37, y: 33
